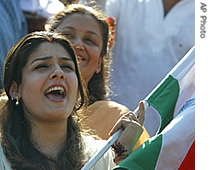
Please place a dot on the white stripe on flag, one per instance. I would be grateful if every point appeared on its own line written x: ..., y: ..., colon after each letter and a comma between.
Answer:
x: 178, y: 137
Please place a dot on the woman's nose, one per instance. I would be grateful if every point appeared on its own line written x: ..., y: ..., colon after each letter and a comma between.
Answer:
x: 78, y: 44
x: 57, y: 73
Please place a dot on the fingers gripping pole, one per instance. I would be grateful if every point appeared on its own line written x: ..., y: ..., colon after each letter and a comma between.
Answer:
x: 146, y: 105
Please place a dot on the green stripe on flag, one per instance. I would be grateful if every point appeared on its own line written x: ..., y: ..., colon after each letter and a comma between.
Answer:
x: 164, y: 99
x: 144, y: 157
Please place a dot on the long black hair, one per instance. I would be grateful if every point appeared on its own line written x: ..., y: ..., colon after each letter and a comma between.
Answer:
x: 16, y: 129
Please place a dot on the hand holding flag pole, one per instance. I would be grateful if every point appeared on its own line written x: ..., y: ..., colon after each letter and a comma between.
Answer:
x: 95, y: 158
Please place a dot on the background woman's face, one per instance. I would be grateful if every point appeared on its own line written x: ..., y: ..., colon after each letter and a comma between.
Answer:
x: 85, y: 34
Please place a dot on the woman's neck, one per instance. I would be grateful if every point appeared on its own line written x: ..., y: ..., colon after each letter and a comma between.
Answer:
x: 49, y: 138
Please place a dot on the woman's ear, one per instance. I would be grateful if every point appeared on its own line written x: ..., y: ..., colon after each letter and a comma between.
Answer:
x: 98, y: 69
x: 13, y: 91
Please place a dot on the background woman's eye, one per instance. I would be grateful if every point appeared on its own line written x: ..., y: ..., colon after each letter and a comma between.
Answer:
x: 89, y: 40
x: 68, y: 35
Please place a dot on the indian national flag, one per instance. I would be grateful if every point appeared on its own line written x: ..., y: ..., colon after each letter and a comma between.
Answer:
x: 172, y: 147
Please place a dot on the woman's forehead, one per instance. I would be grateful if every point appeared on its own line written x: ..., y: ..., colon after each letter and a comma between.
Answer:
x: 81, y: 21
x: 50, y: 49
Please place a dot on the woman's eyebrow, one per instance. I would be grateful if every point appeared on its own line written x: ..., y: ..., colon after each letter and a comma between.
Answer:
x: 41, y: 58
x: 67, y: 27
x: 66, y: 58
x: 74, y: 29
x: 50, y: 57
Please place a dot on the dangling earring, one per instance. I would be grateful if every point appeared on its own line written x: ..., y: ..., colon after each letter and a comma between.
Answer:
x: 17, y: 101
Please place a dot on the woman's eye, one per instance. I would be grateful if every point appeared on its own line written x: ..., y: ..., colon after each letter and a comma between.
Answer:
x: 68, y: 35
x: 41, y: 66
x: 89, y: 40
x: 67, y: 67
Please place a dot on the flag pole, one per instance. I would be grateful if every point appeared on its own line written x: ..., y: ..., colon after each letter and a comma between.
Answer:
x: 101, y: 152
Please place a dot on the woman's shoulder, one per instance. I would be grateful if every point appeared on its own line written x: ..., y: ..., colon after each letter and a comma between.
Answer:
x: 108, y: 105
x: 106, y: 109
x: 92, y: 146
x: 4, y: 164
x: 3, y: 100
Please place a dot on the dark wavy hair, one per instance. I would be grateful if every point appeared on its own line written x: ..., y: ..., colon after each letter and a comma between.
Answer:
x: 16, y: 129
x: 98, y: 86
